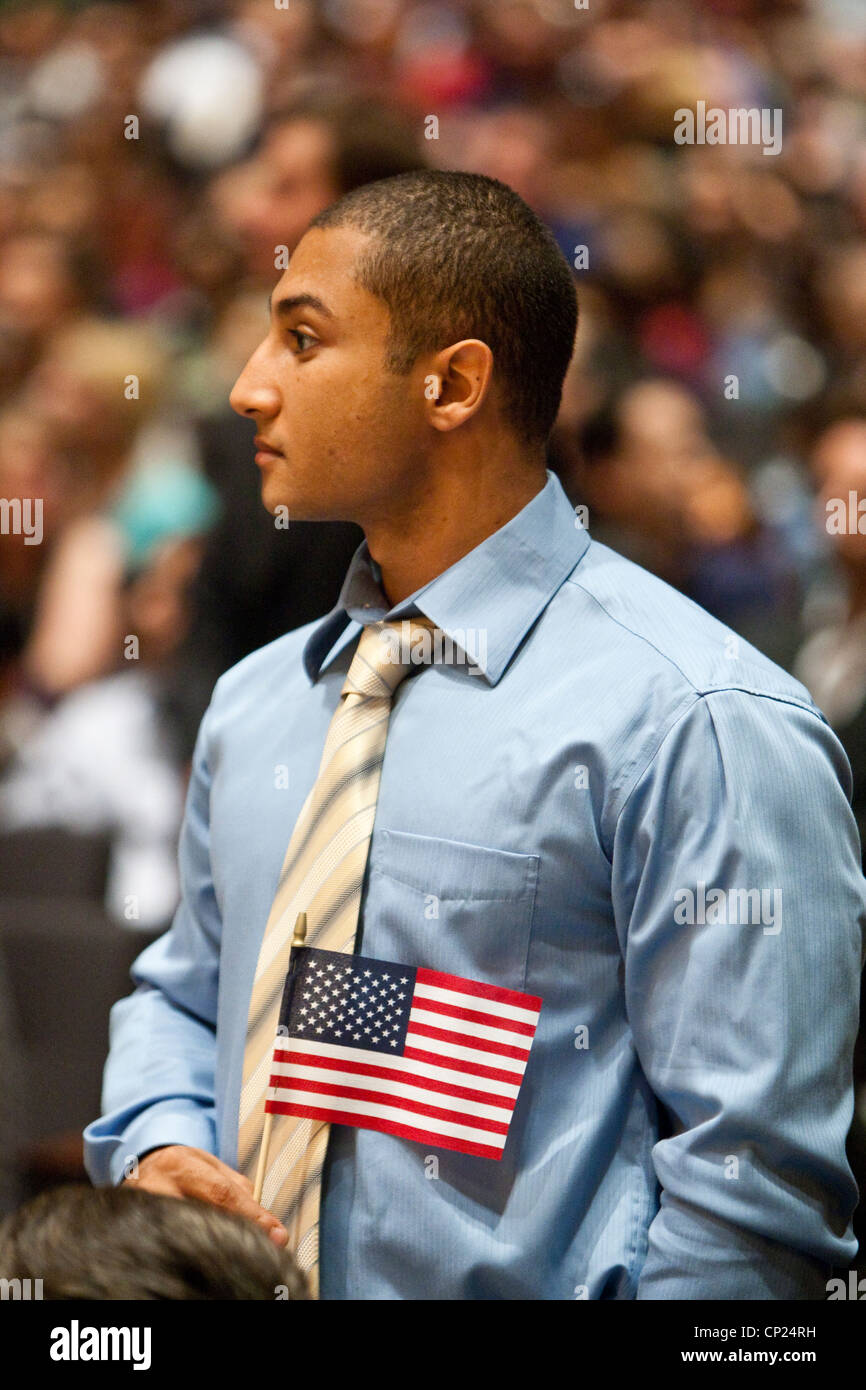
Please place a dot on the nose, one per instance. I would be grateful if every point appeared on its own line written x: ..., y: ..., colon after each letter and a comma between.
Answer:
x: 254, y: 394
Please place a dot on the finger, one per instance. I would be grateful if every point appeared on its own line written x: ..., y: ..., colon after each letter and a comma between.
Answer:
x: 230, y: 1174
x: 227, y: 1190
x: 241, y: 1189
x: 207, y: 1178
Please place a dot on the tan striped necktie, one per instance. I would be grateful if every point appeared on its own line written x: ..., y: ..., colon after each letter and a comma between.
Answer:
x: 322, y: 875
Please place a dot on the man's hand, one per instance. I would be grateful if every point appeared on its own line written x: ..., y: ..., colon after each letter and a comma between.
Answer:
x: 178, y: 1170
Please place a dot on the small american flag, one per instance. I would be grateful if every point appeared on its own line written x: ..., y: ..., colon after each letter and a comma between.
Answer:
x: 407, y: 1051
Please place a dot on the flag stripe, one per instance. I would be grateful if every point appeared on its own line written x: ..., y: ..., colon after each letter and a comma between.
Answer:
x: 461, y: 1059
x: 424, y: 1030
x: 461, y: 1025
x: 488, y: 1020
x: 347, y: 1112
x: 527, y: 1004
x: 478, y: 1102
x: 333, y: 1055
x: 391, y: 1097
x: 385, y: 1126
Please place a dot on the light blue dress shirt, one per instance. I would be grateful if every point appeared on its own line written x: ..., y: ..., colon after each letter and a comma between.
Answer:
x: 624, y: 809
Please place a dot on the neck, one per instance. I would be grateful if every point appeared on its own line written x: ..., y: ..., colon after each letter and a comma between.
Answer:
x: 450, y: 513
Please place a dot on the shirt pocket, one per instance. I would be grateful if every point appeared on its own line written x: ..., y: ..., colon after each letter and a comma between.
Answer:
x: 451, y: 906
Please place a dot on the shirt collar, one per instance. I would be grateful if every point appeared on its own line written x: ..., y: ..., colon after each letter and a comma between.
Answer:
x: 498, y: 589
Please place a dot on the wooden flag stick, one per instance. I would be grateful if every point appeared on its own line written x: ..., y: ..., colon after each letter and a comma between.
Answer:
x: 297, y: 940
x: 263, y: 1157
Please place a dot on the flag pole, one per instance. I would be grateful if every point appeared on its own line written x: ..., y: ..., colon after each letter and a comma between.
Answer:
x: 297, y: 940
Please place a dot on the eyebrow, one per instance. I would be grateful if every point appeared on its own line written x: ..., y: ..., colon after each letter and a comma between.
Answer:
x: 298, y: 301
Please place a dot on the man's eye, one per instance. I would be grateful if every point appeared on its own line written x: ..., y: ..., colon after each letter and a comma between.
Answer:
x: 303, y: 340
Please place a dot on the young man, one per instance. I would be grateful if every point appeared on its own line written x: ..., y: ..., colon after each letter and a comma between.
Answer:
x: 609, y: 802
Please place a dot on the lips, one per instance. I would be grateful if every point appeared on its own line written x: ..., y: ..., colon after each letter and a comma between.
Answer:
x: 266, y: 453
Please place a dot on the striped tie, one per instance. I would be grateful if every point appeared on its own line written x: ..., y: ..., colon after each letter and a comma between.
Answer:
x: 322, y: 875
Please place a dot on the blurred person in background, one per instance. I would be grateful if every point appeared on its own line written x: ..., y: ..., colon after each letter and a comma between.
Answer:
x: 89, y: 732
x: 317, y: 145
x: 842, y: 294
x: 107, y: 755
x: 32, y: 466
x: 832, y: 661
x: 659, y: 491
x: 98, y: 384
x: 42, y: 285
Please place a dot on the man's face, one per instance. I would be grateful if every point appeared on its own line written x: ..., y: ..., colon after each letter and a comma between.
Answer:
x: 338, y: 436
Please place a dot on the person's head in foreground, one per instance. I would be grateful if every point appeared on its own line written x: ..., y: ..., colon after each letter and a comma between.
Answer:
x: 417, y: 348
x: 120, y: 1243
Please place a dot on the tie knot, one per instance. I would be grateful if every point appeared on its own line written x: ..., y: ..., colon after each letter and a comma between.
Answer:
x: 386, y: 654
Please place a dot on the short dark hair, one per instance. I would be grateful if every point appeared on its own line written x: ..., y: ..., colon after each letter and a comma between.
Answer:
x: 118, y: 1243
x: 457, y: 255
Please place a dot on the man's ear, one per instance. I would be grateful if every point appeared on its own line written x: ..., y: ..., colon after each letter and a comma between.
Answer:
x: 457, y: 382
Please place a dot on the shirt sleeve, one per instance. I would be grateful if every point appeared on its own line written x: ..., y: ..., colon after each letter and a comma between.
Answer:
x: 158, y: 1086
x: 739, y: 901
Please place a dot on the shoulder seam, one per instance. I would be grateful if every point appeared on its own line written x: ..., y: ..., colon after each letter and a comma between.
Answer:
x: 791, y: 698
x: 702, y: 696
x: 639, y: 635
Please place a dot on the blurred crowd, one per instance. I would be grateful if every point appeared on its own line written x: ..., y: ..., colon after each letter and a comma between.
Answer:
x: 157, y: 160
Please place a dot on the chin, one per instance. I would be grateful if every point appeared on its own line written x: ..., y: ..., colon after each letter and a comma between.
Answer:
x: 298, y: 506
x: 304, y: 497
